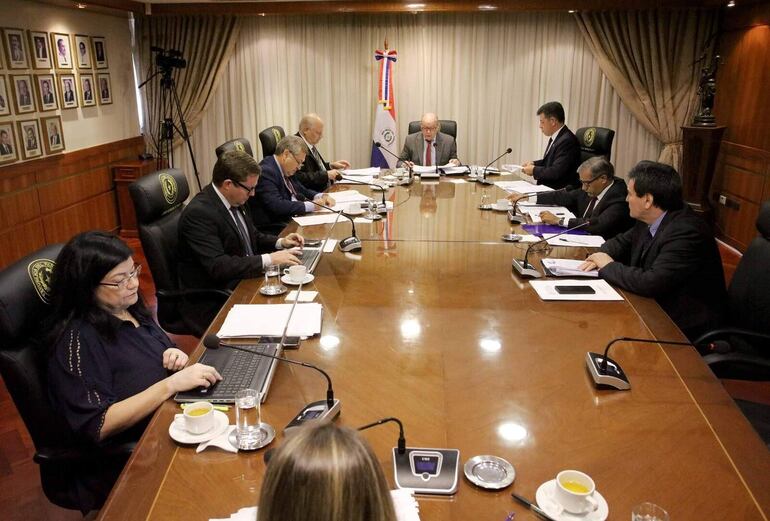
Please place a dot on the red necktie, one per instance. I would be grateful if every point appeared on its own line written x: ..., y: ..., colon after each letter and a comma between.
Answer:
x: 428, y: 158
x: 590, y: 209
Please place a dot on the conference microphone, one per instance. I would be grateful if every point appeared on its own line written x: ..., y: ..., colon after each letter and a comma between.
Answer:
x: 513, y: 214
x: 607, y: 373
x: 483, y: 179
x: 380, y: 188
x: 408, y: 169
x: 352, y: 243
x: 527, y: 270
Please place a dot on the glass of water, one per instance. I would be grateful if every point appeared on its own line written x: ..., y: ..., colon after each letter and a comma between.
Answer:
x: 648, y: 512
x: 272, y: 285
x: 248, y: 419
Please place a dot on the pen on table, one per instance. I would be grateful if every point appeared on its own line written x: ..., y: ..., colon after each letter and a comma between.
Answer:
x: 573, y: 240
x: 536, y: 509
x: 223, y: 408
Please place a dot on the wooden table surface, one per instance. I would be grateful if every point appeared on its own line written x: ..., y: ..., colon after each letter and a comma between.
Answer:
x: 428, y: 323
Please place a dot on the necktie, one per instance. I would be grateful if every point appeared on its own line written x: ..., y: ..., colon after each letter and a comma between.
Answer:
x: 242, y: 231
x: 290, y: 186
x: 428, y: 158
x: 317, y: 156
x: 645, y: 246
x: 590, y: 209
x: 548, y: 146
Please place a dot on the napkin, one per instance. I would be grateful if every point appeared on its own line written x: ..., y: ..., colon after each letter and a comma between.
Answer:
x: 220, y: 441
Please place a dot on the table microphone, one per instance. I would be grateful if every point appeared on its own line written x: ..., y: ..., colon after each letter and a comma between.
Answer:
x: 401, y: 440
x: 521, y: 219
x: 483, y: 179
x: 352, y: 243
x: 408, y: 169
x: 607, y: 373
x: 526, y: 270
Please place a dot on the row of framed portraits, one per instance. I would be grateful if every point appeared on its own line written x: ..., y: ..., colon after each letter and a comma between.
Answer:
x: 36, y: 137
x: 43, y: 92
x: 65, y: 52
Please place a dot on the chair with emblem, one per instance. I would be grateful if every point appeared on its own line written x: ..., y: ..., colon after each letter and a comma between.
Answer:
x: 158, y: 200
x: 67, y: 466
x: 595, y: 141
x: 446, y: 126
x: 269, y: 139
x: 240, y: 143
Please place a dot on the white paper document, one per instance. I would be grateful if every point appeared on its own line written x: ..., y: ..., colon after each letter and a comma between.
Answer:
x: 360, y: 178
x: 348, y: 196
x: 454, y: 170
x: 355, y: 172
x: 567, y: 268
x: 304, y: 296
x: 534, y: 211
x: 329, y: 245
x: 250, y: 320
x: 316, y: 219
x: 419, y: 169
x: 546, y: 289
x: 568, y: 239
x: 513, y: 168
x: 522, y: 187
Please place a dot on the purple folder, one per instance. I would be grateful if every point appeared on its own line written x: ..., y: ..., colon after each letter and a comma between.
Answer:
x: 540, y: 229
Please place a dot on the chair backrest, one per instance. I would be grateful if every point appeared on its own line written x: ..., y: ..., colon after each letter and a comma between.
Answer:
x: 240, y: 143
x: 446, y: 126
x: 595, y: 141
x: 269, y: 139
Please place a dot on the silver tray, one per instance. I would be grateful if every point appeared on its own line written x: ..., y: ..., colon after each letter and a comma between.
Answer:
x: 273, y: 291
x: 489, y: 472
x: 268, y: 435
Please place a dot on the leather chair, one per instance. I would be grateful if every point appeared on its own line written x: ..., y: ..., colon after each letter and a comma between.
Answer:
x: 240, y: 143
x: 446, y: 126
x: 158, y: 200
x: 595, y: 141
x: 269, y: 139
x: 68, y: 466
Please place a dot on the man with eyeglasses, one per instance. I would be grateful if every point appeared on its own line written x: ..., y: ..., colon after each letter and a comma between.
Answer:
x: 429, y: 147
x: 558, y: 168
x: 316, y: 173
x: 218, y: 242
x: 279, y: 195
x: 601, y: 201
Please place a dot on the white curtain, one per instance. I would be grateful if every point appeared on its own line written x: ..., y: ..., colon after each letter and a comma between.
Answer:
x: 488, y: 71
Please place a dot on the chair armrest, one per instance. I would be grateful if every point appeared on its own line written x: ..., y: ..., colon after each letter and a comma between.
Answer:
x: 721, y: 333
x: 744, y: 359
x: 178, y: 294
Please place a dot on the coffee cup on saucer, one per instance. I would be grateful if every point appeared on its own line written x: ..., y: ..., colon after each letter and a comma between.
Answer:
x: 574, y: 492
x: 296, y: 273
x: 354, y: 208
x: 502, y: 204
x: 197, y: 418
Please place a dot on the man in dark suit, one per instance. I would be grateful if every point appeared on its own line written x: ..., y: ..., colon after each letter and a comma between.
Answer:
x: 429, y: 147
x: 47, y: 95
x: 5, y: 144
x: 218, y: 243
x: 69, y: 94
x: 279, y: 195
x: 315, y: 173
x: 558, y: 168
x: 669, y: 255
x: 601, y: 202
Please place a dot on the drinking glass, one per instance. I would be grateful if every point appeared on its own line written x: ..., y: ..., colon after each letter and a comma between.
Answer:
x: 648, y: 512
x: 248, y: 419
x: 272, y: 285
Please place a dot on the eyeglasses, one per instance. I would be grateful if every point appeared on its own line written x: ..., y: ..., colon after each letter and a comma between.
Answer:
x: 586, y: 183
x: 433, y: 129
x: 251, y: 190
x: 121, y: 284
x: 299, y: 163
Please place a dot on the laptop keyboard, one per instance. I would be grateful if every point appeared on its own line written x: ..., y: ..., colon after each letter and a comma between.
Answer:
x: 309, y: 257
x: 239, y: 371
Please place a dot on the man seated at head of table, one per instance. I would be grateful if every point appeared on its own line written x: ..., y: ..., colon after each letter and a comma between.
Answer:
x: 669, y: 255
x: 279, y: 195
x: 429, y: 147
x: 558, y: 168
x: 315, y: 173
x: 601, y: 202
x: 218, y: 242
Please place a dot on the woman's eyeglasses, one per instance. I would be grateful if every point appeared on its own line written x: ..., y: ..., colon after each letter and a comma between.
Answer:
x: 123, y: 283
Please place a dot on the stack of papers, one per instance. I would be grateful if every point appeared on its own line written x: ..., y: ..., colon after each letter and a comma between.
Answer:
x: 252, y: 320
x: 546, y: 290
x: 522, y: 187
x: 373, y: 171
x: 567, y: 268
x: 418, y: 169
x: 316, y: 218
x: 534, y: 211
x: 455, y: 170
x: 588, y: 241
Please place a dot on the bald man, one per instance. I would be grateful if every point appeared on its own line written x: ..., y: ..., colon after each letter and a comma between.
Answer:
x: 429, y: 147
x: 316, y: 173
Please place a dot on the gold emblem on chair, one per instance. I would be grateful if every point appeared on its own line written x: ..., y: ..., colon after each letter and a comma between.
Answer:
x: 169, y: 187
x: 276, y: 135
x: 239, y: 146
x: 40, y: 271
x: 588, y: 136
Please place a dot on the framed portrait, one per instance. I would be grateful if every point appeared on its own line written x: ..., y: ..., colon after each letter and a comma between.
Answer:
x: 5, y: 101
x: 100, y: 51
x: 29, y: 138
x: 39, y: 52
x: 87, y: 95
x: 82, y: 51
x: 68, y: 91
x: 105, y: 89
x: 53, y: 136
x: 22, y: 93
x: 15, y: 48
x: 8, y: 151
x: 60, y: 47
x: 46, y: 92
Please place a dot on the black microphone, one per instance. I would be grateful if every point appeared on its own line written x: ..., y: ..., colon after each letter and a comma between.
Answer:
x: 527, y: 270
x: 401, y: 439
x: 408, y: 169
x: 606, y: 372
x: 483, y: 179
x: 379, y: 187
x: 352, y: 243
x: 514, y: 217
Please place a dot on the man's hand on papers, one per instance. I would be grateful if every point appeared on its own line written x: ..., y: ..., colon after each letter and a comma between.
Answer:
x: 326, y: 199
x: 596, y: 261
x: 408, y: 164
x: 285, y: 256
x: 333, y: 175
x: 549, y: 218
x: 528, y: 168
x: 454, y: 162
x: 515, y: 196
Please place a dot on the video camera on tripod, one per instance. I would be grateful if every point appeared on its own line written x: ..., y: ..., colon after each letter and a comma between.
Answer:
x: 167, y: 59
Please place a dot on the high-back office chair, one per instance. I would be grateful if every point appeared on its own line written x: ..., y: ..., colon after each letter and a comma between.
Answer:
x: 63, y: 460
x: 240, y: 143
x: 158, y: 200
x: 595, y: 141
x: 269, y: 139
x: 446, y: 126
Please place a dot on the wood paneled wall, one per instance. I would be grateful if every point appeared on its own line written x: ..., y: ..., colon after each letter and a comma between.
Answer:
x: 51, y: 199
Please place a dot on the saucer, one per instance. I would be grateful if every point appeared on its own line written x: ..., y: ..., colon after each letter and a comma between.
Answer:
x: 498, y: 208
x: 268, y: 435
x: 180, y: 435
x: 490, y: 472
x: 308, y: 279
x: 544, y: 499
x: 359, y: 212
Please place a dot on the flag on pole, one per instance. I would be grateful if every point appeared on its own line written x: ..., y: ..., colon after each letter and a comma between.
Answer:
x: 385, y: 114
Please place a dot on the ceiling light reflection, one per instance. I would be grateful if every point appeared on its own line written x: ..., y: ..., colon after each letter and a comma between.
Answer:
x: 511, y: 431
x: 410, y: 329
x: 329, y: 342
x: 490, y: 345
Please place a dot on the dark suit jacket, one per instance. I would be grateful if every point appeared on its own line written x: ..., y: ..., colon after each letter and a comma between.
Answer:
x: 610, y: 216
x: 681, y: 270
x: 211, y: 254
x: 446, y: 149
x: 272, y: 206
x: 313, y: 174
x: 559, y: 166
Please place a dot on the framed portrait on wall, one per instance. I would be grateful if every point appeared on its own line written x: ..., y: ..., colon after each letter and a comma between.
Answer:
x: 68, y: 91
x: 22, y: 93
x: 15, y: 48
x: 60, y: 47
x: 8, y: 151
x: 105, y: 89
x: 53, y: 136
x: 46, y: 92
x: 5, y: 101
x: 29, y: 138
x: 87, y: 94
x: 100, y: 51
x: 82, y: 51
x: 39, y: 51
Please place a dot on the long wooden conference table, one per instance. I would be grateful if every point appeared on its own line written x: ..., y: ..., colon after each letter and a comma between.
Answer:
x: 429, y: 324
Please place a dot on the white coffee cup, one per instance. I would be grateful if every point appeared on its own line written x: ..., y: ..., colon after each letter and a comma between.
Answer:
x: 198, y: 417
x: 502, y: 204
x: 296, y: 273
x: 354, y: 208
x: 574, y: 492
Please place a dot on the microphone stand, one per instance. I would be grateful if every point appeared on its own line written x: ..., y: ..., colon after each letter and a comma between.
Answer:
x: 520, y: 219
x: 484, y: 179
x: 352, y: 243
x: 527, y: 270
x: 408, y: 169
x: 401, y: 440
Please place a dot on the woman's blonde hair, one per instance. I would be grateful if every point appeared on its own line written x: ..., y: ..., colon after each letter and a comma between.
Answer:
x: 325, y: 473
